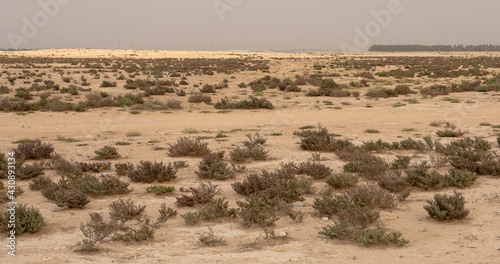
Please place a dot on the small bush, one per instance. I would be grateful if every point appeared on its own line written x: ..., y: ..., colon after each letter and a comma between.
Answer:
x: 379, y: 236
x: 186, y: 146
x: 144, y: 233
x: 107, y: 152
x: 393, y: 182
x: 27, y: 219
x: 39, y: 183
x: 447, y: 207
x: 122, y: 169
x: 361, y: 217
x: 314, y: 170
x: 70, y: 198
x: 250, y: 103
x: 213, y: 167
x: 401, y: 162
x: 108, y: 84
x: 342, y: 180
x: 160, y: 189
x: 256, y: 210
x: 34, y: 150
x: 200, y: 98
x: 94, y: 166
x: 97, y: 229
x: 202, y: 195
x: 147, y: 171
x: 217, y: 208
x: 251, y: 151
x: 209, y: 239
x: 125, y: 210
x: 27, y: 171
x: 165, y: 213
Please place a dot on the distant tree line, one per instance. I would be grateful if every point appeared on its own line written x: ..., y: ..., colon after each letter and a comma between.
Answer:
x: 403, y: 48
x: 14, y: 49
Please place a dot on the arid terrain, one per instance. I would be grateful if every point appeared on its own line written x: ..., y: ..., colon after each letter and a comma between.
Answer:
x: 357, y: 98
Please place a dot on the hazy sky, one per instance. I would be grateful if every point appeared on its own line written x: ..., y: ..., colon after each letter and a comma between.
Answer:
x: 245, y: 24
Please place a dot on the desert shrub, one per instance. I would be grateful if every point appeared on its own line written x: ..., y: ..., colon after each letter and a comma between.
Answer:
x: 4, y: 89
x: 34, y: 150
x: 367, y: 165
x: 342, y: 180
x: 420, y: 177
x: 280, y: 185
x: 186, y: 146
x: 375, y: 145
x: 39, y: 183
x: 321, y: 140
x: 147, y: 171
x: 213, y: 167
x: 202, y: 195
x: 401, y: 162
x: 160, y: 189
x: 251, y: 103
x: 339, y: 230
x: 96, y: 100
x: 450, y: 131
x: 200, y: 98
x: 209, y: 239
x: 498, y: 140
x: 144, y: 233
x: 122, y: 169
x: 410, y: 143
x: 63, y: 166
x: 251, y: 151
x: 97, y: 229
x: 28, y: 220
x: 403, y: 90
x: 93, y: 185
x: 217, y: 208
x: 107, y: 152
x: 381, y: 93
x: 125, y: 210
x: 128, y: 100
x: 447, y: 207
x: 165, y: 213
x: 27, y: 171
x: 94, y: 166
x: 314, y: 170
x: 393, y: 182
x: 358, y: 216
x: 379, y: 236
x: 70, y: 198
x: 255, y: 210
x: 108, y: 84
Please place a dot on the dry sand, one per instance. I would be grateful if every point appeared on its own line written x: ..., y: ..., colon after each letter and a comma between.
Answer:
x: 473, y: 240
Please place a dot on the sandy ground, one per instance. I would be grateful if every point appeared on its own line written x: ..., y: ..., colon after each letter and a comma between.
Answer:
x: 473, y: 240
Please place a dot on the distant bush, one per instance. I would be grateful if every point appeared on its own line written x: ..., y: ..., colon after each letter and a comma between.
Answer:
x: 314, y: 170
x: 447, y: 207
x: 108, y: 84
x: 125, y: 210
x: 202, y: 195
x: 107, y: 152
x: 255, y: 210
x: 217, y: 208
x: 34, y: 150
x: 186, y: 146
x: 147, y: 171
x: 342, y: 180
x: 213, y: 167
x: 199, y: 98
x: 122, y: 169
x: 160, y: 189
x: 94, y: 166
x: 250, y: 103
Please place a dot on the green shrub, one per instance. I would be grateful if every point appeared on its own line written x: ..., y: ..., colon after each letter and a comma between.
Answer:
x: 210, y: 239
x: 144, y: 233
x: 186, y: 146
x: 339, y: 230
x: 393, y: 182
x: 27, y: 171
x: 314, y: 170
x: 147, y: 171
x: 27, y: 219
x: 255, y: 210
x: 213, y: 167
x: 401, y: 162
x: 107, y: 152
x: 122, y: 169
x: 342, y: 180
x: 379, y: 236
x: 447, y: 207
x: 367, y: 165
x: 200, y: 98
x: 70, y: 198
x: 160, y: 189
x: 217, y: 208
x: 39, y: 183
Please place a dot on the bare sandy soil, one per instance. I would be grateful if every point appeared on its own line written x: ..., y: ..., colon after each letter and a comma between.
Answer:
x: 475, y: 239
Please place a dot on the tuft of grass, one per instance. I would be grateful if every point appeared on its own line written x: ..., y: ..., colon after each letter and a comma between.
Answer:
x: 160, y: 189
x: 67, y: 139
x: 398, y: 104
x: 191, y: 131
x: 372, y: 131
x: 485, y: 124
x: 123, y: 143
x: 209, y: 239
x: 107, y: 152
x: 133, y: 134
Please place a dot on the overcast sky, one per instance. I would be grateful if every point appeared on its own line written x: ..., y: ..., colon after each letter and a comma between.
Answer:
x: 245, y: 24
